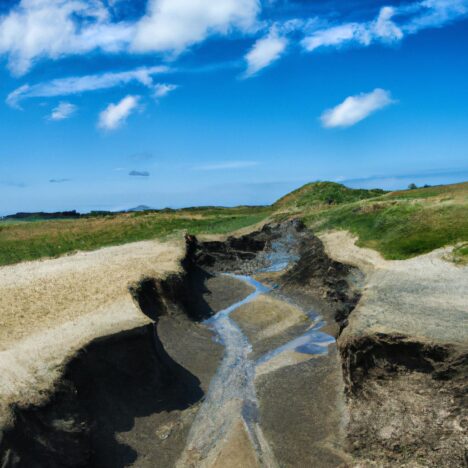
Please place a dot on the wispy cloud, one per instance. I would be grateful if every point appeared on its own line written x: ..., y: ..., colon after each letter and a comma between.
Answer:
x: 80, y: 84
x: 265, y: 51
x: 227, y: 165
x: 115, y: 115
x: 139, y: 173
x: 356, y: 108
x: 163, y: 89
x: 63, y: 111
x: 59, y: 181
x: 391, y: 25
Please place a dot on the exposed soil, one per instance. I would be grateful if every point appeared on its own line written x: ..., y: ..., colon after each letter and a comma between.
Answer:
x: 142, y: 396
x: 405, y: 360
x: 130, y: 398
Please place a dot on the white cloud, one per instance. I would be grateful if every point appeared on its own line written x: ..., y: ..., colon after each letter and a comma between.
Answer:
x: 336, y: 36
x: 227, y: 165
x: 384, y: 27
x: 436, y: 13
x: 51, y: 29
x: 415, y: 17
x: 356, y: 108
x: 163, y: 89
x: 54, y: 28
x: 79, y: 84
x: 63, y: 111
x: 265, y: 51
x: 174, y: 25
x: 114, y: 115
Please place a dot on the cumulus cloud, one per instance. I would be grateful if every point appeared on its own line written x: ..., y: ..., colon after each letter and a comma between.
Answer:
x: 265, y: 51
x: 163, y: 89
x: 227, y: 165
x: 54, y: 28
x: 139, y: 173
x: 63, y: 111
x: 114, y: 115
x: 79, y: 84
x: 35, y: 29
x: 356, y: 108
x: 174, y: 25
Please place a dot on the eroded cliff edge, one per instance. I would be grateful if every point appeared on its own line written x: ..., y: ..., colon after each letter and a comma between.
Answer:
x: 405, y: 358
x: 400, y: 361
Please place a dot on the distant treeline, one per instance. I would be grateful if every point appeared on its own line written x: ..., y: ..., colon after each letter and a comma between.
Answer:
x: 42, y: 215
x: 141, y: 210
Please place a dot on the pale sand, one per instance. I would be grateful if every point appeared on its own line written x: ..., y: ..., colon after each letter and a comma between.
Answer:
x: 267, y: 316
x: 50, y: 309
x: 425, y: 297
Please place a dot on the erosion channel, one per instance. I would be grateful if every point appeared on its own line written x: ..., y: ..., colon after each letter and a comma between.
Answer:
x: 240, y: 367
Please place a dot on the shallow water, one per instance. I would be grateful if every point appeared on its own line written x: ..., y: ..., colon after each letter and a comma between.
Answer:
x: 232, y: 394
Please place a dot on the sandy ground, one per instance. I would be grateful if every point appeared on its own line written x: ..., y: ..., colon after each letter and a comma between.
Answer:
x: 50, y: 309
x: 403, y: 414
x: 425, y: 297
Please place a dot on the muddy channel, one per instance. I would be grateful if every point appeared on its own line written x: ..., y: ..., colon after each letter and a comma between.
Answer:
x: 240, y: 367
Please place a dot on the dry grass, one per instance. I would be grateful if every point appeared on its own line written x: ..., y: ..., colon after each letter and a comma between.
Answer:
x: 35, y: 296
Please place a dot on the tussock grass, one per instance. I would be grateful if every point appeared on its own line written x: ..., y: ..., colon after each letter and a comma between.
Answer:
x: 32, y: 240
x: 398, y: 224
x: 402, y: 224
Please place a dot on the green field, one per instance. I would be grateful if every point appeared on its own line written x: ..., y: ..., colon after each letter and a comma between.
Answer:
x: 30, y: 240
x: 398, y: 224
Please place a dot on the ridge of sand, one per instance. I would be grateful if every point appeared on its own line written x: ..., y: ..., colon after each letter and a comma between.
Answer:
x: 49, y: 309
x: 425, y: 297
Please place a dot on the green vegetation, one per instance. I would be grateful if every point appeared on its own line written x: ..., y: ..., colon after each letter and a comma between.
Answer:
x: 401, y: 224
x: 32, y: 240
x: 398, y: 224
x: 460, y: 254
x: 323, y: 194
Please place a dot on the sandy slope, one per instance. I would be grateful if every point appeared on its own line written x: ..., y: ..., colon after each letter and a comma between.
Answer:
x: 425, y: 297
x: 49, y: 309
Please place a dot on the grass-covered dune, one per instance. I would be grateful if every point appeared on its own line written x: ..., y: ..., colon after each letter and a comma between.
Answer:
x: 398, y: 224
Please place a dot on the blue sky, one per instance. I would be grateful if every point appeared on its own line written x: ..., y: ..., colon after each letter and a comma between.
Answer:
x: 112, y: 104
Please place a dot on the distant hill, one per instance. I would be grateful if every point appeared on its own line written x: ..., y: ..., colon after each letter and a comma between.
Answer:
x: 398, y: 224
x: 325, y: 193
x: 140, y: 208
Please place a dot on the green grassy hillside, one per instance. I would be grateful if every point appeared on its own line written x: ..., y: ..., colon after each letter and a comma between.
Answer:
x: 323, y: 194
x: 398, y: 224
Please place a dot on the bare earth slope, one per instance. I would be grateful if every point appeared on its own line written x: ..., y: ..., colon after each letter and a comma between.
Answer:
x: 50, y: 309
x: 425, y: 297
x: 405, y: 358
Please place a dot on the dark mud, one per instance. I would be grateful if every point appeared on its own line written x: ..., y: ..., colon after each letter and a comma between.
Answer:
x: 408, y: 401
x: 131, y: 398
x: 313, y: 279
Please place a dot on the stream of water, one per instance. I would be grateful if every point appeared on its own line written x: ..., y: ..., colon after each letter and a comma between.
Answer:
x: 231, y: 394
